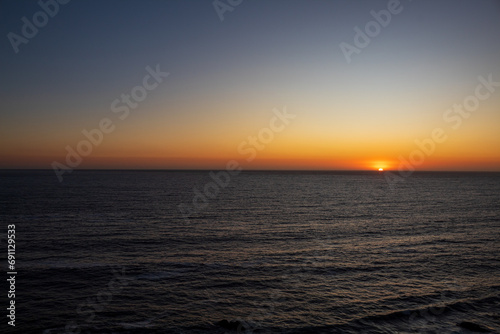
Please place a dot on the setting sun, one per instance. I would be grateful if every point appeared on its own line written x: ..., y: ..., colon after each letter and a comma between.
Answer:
x: 380, y: 169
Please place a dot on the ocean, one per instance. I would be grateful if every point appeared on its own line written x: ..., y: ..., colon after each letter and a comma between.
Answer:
x: 267, y: 252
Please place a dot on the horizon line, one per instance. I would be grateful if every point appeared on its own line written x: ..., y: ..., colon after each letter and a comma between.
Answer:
x: 254, y: 170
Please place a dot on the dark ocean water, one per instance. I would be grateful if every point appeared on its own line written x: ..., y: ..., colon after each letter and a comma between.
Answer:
x: 109, y: 252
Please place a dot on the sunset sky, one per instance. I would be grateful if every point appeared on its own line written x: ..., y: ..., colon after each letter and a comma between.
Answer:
x: 227, y: 76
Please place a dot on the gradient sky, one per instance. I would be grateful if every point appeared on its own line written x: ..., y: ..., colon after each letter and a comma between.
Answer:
x: 227, y: 76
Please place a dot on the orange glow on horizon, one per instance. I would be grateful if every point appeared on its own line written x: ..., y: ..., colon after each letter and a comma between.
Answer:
x: 220, y: 162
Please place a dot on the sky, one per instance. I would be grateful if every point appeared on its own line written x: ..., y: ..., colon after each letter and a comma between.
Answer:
x: 282, y: 84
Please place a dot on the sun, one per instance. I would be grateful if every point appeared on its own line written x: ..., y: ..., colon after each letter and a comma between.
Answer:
x: 380, y: 165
